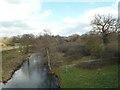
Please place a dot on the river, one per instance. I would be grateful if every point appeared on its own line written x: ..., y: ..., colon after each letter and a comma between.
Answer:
x: 32, y: 74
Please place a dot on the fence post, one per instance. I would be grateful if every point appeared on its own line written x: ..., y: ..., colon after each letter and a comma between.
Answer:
x: 66, y: 68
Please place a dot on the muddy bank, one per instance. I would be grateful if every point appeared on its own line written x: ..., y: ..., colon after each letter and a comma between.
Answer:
x: 13, y: 71
x: 11, y: 61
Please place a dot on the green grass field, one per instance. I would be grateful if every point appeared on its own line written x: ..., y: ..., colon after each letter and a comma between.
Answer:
x: 106, y: 77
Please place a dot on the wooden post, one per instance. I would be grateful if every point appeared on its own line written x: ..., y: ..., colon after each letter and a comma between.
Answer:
x: 48, y: 59
x: 66, y: 68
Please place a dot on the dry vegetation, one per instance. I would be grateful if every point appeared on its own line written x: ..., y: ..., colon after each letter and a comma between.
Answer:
x: 11, y: 61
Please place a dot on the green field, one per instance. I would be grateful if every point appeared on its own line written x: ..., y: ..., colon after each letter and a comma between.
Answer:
x: 106, y: 77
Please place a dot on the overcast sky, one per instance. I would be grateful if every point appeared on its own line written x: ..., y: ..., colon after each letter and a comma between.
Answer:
x: 60, y: 18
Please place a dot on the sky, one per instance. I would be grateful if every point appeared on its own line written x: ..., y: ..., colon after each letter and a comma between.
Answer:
x: 19, y: 17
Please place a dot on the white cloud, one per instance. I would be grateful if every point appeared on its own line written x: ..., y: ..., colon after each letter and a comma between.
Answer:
x: 16, y: 16
x: 21, y: 10
x: 40, y: 17
x: 70, y: 20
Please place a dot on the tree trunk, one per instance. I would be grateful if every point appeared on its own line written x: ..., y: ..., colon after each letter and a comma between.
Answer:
x: 104, y: 37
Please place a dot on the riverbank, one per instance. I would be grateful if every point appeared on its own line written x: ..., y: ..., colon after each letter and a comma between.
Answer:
x: 11, y: 61
x: 71, y: 76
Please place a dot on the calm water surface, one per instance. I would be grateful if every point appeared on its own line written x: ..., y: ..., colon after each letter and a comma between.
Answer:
x: 32, y: 74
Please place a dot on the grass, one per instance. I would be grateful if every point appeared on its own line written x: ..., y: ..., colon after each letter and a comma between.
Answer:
x: 11, y: 59
x: 106, y: 77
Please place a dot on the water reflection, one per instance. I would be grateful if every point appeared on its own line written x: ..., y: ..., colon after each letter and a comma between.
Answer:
x: 32, y: 74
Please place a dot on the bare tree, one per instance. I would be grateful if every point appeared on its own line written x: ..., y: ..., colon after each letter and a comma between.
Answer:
x: 105, y: 25
x: 27, y: 40
x: 47, y: 44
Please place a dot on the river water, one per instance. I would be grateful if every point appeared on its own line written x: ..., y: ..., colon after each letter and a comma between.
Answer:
x: 32, y: 74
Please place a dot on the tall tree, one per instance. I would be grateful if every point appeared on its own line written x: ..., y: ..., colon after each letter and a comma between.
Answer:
x: 105, y: 25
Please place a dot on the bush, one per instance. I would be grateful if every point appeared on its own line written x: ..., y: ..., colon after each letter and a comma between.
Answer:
x: 110, y: 53
x: 73, y: 50
x: 93, y: 44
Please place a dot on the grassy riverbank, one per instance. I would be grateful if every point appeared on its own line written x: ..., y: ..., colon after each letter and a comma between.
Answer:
x: 11, y: 60
x: 106, y: 77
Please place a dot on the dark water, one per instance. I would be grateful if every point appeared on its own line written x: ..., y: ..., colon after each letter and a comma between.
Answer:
x: 32, y: 74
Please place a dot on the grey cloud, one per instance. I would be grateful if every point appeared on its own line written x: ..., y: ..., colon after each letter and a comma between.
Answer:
x: 12, y: 32
x: 14, y: 28
x: 14, y: 24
